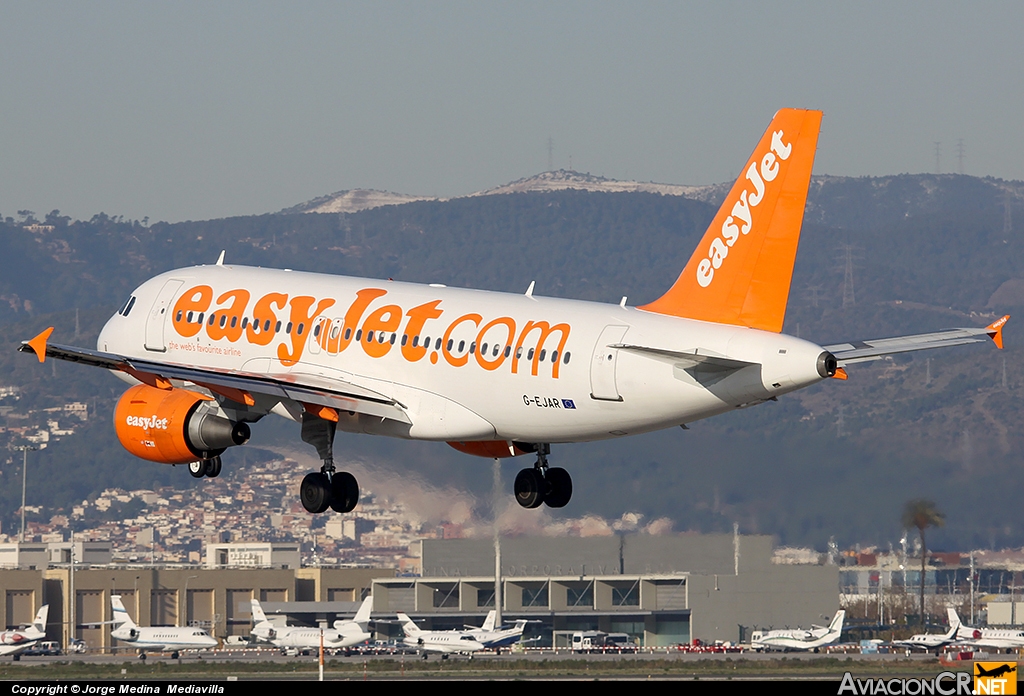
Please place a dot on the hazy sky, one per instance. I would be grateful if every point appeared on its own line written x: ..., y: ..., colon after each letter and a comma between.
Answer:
x: 185, y: 110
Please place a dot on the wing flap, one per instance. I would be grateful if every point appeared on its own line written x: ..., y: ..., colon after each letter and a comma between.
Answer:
x: 864, y: 351
x: 304, y: 388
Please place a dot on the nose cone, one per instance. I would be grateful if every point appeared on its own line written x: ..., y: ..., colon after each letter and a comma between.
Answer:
x: 106, y: 339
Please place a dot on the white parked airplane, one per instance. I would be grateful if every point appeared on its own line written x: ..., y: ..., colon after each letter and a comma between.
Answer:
x: 444, y: 642
x: 156, y: 638
x: 996, y: 638
x: 930, y: 641
x: 15, y: 642
x: 799, y: 639
x: 345, y: 634
x: 211, y: 349
x: 493, y: 637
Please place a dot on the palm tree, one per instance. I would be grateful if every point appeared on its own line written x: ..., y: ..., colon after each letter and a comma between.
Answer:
x: 922, y: 513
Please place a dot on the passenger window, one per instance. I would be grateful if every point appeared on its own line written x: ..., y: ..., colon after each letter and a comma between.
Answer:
x: 449, y: 346
x: 348, y: 334
x: 542, y: 354
x: 223, y: 320
x: 177, y: 317
x: 301, y: 328
x: 405, y: 339
x: 529, y: 356
x: 234, y: 322
x: 565, y: 360
x: 316, y: 331
x: 393, y: 337
x: 462, y: 346
x: 200, y: 319
x: 359, y: 335
x: 245, y: 322
x: 554, y: 356
x: 277, y: 327
x: 415, y: 341
x: 508, y: 351
x: 437, y: 345
x: 288, y: 328
x: 266, y: 325
x: 188, y: 318
x: 519, y: 352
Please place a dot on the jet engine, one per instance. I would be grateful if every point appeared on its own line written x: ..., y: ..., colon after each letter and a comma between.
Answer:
x: 174, y: 426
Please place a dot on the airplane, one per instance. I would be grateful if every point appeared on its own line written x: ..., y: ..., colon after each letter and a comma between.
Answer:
x: 156, y: 638
x: 930, y: 641
x: 14, y: 643
x: 495, y: 638
x: 212, y: 349
x: 443, y: 642
x: 996, y: 638
x: 345, y: 633
x: 799, y: 639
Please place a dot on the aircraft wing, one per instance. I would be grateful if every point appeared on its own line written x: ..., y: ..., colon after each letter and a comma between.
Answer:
x: 309, y: 389
x: 864, y: 351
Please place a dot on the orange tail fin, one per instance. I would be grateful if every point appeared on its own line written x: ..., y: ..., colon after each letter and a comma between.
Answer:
x: 742, y: 268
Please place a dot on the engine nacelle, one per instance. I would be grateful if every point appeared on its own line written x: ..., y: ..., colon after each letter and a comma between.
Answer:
x: 173, y: 426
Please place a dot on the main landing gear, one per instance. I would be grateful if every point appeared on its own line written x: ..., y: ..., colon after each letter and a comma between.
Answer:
x: 205, y: 467
x: 337, y: 490
x: 541, y: 484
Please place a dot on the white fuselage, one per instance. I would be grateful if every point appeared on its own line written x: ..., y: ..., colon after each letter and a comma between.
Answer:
x: 162, y: 638
x: 16, y: 642
x: 309, y: 638
x: 498, y: 367
x: 444, y: 642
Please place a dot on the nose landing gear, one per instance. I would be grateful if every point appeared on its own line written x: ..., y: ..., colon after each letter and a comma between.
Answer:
x: 543, y: 485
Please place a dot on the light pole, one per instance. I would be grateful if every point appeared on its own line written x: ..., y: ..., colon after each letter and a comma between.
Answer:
x: 186, y: 599
x: 25, y: 449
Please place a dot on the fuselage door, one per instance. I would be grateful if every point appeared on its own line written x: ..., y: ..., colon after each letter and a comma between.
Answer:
x: 157, y: 319
x: 602, y: 366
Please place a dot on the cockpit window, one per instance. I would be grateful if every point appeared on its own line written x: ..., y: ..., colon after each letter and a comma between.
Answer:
x: 127, y: 306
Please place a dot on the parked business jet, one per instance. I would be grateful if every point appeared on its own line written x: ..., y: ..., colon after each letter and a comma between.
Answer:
x: 996, y: 638
x: 157, y: 638
x: 930, y: 641
x: 493, y: 637
x: 213, y: 349
x: 14, y: 643
x: 443, y: 642
x: 799, y: 639
x: 345, y: 634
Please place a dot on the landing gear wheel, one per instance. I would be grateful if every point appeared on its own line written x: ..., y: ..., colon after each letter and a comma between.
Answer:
x: 529, y: 488
x: 211, y: 467
x: 315, y: 492
x: 559, y: 488
x: 197, y: 469
x: 344, y: 492
x: 174, y: 655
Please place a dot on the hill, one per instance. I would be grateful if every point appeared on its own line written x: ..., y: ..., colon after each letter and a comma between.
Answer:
x: 925, y: 252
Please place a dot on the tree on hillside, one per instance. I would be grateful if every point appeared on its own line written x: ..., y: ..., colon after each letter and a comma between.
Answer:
x: 922, y: 513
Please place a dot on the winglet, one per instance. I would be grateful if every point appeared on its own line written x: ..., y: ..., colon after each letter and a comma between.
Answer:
x: 996, y: 330
x: 38, y: 344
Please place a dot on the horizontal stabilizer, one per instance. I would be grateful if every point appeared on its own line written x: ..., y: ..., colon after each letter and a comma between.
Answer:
x: 688, y: 358
x: 864, y: 351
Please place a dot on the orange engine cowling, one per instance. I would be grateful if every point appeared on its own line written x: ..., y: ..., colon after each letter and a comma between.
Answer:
x: 171, y: 426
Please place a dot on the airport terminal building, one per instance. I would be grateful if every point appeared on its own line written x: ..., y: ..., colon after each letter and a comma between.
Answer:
x: 660, y: 590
